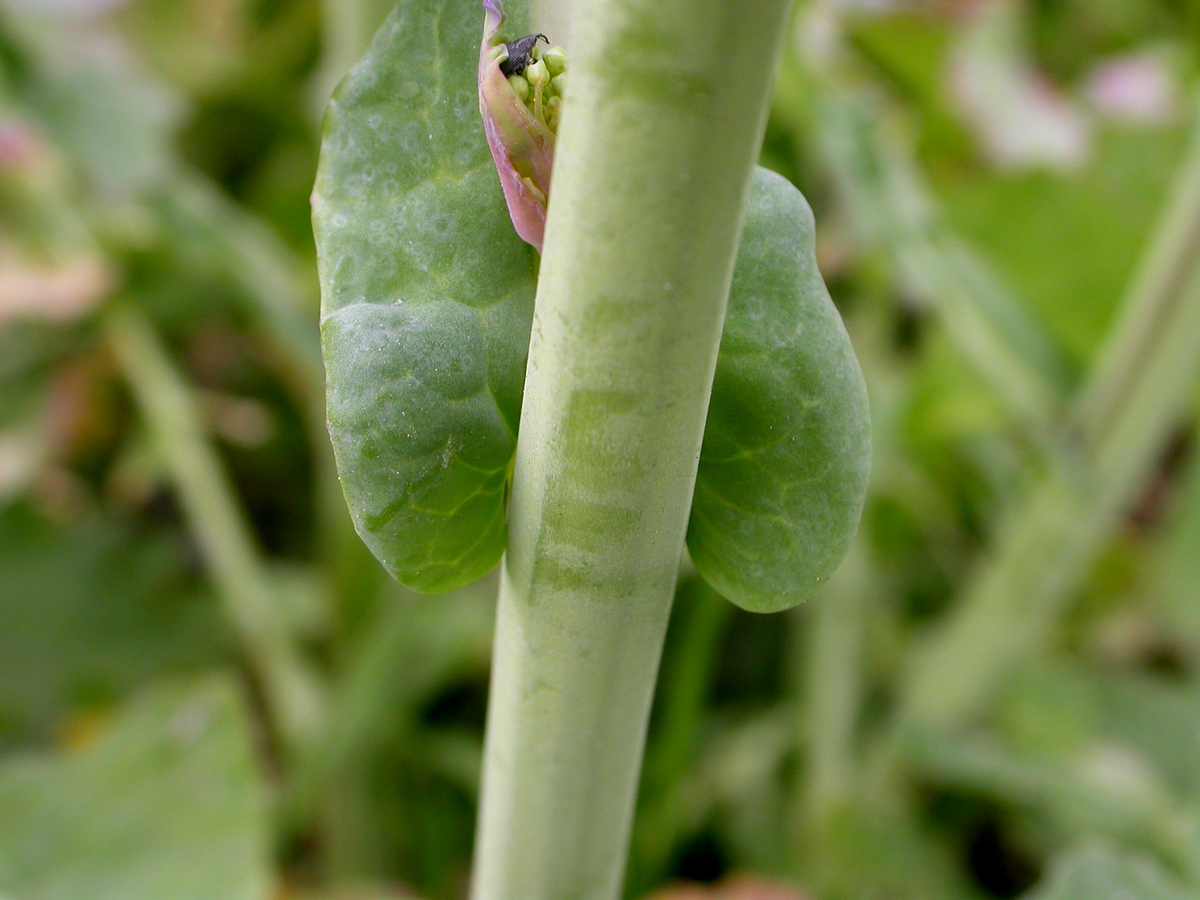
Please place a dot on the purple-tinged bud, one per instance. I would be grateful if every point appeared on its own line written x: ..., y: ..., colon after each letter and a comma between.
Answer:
x: 517, y: 121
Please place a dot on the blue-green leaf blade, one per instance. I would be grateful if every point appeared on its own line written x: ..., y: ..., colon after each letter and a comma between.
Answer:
x: 426, y: 300
x: 786, y: 455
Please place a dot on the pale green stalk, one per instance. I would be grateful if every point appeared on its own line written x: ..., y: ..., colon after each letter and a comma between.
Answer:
x: 554, y: 18
x: 1052, y: 539
x: 685, y: 685
x: 225, y: 539
x: 664, y: 117
x: 832, y: 633
x: 1083, y: 797
x: 413, y: 645
x: 281, y: 301
x: 1157, y: 287
x: 277, y: 283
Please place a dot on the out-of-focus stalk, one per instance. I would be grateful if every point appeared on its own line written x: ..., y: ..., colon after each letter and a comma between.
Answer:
x: 1157, y: 288
x: 346, y: 29
x: 220, y: 529
x: 1052, y: 538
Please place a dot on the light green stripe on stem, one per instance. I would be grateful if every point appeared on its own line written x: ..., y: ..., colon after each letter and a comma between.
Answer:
x: 661, y: 128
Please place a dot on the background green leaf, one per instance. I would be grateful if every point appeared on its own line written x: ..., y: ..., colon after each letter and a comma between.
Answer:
x: 1098, y: 872
x: 166, y: 803
x: 90, y: 611
x: 170, y: 145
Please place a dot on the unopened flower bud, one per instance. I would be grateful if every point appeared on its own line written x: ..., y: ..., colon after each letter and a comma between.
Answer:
x: 519, y: 118
x: 537, y: 74
x: 555, y: 59
x: 520, y: 85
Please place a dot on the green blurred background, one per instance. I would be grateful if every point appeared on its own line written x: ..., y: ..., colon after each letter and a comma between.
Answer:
x: 208, y: 689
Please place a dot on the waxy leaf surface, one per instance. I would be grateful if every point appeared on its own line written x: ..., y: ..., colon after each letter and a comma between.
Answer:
x: 427, y: 296
x: 427, y: 299
x: 787, y: 446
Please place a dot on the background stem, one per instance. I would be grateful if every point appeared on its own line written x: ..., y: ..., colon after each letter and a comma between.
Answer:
x: 1138, y: 394
x: 224, y: 536
x: 833, y: 649
x: 1158, y: 286
x: 685, y: 684
x: 660, y: 133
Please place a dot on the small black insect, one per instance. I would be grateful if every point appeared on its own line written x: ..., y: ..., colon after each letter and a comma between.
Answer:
x: 520, y: 54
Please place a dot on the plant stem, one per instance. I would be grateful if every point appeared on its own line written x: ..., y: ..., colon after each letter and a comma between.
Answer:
x: 891, y: 207
x: 225, y: 538
x: 414, y: 644
x: 833, y: 649
x: 554, y: 18
x: 1051, y: 540
x: 686, y: 684
x: 1157, y: 287
x: 282, y: 305
x: 659, y: 136
x: 1145, y: 814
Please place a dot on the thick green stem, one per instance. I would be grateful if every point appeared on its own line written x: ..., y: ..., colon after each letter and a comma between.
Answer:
x: 220, y: 529
x: 659, y: 135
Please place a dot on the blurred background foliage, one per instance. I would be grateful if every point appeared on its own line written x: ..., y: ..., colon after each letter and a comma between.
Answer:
x: 209, y: 690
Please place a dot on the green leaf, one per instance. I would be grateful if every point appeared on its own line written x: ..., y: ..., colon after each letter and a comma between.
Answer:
x: 427, y: 300
x: 1097, y: 872
x: 786, y: 455
x: 1027, y: 223
x: 88, y: 611
x: 165, y: 804
x: 114, y: 119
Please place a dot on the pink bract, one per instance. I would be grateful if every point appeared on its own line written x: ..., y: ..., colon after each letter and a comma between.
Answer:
x: 522, y: 147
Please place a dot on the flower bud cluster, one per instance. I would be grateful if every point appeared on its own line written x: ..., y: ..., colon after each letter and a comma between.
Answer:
x: 540, y: 84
